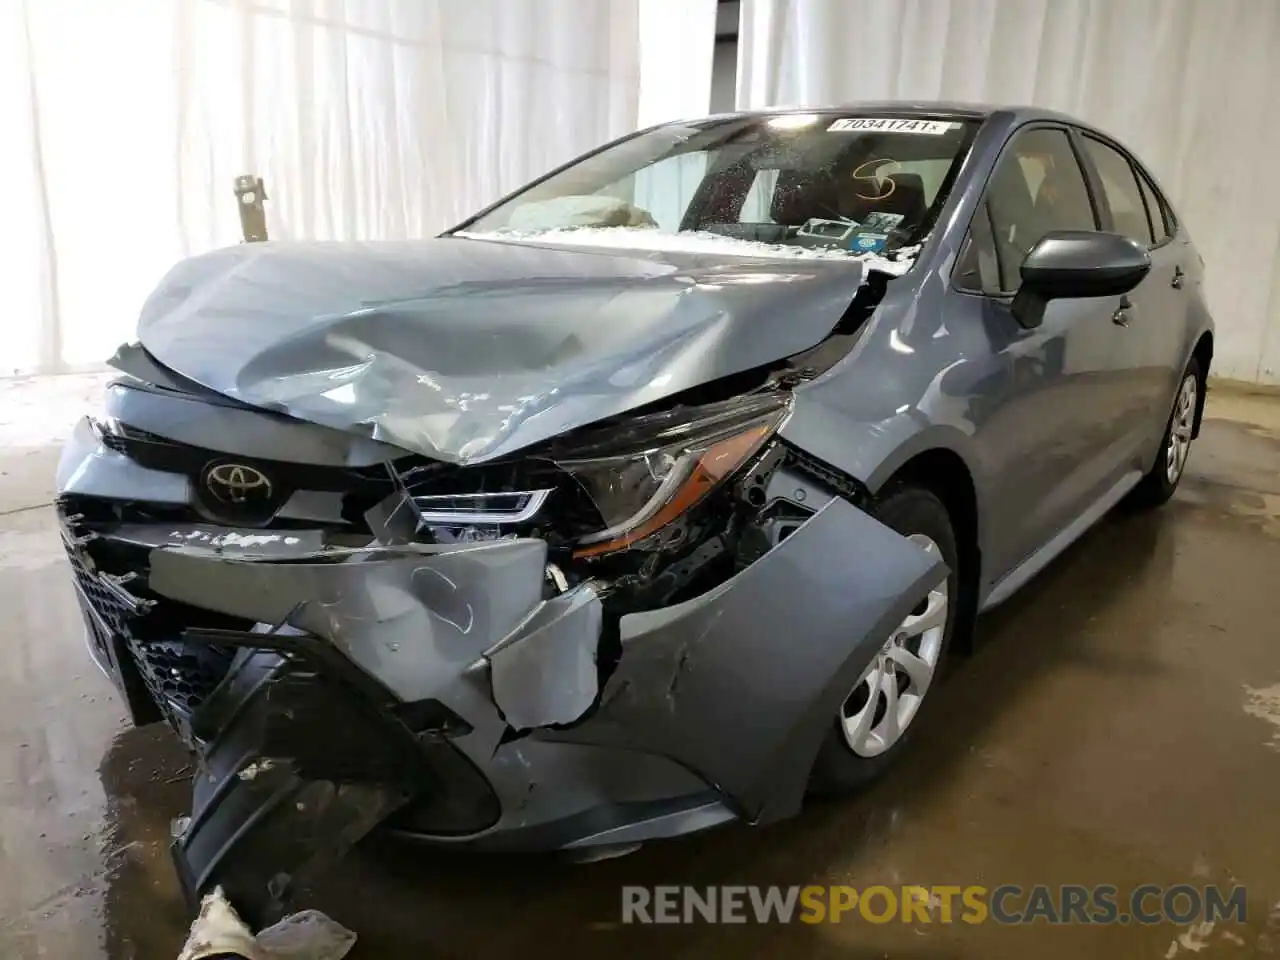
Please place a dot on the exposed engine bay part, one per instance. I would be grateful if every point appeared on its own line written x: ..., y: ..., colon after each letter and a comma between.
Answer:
x: 401, y: 343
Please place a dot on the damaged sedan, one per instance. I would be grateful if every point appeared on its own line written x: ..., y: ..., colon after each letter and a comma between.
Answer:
x: 652, y: 498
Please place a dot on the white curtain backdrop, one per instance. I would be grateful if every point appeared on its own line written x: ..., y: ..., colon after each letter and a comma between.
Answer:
x: 124, y: 124
x: 1189, y: 85
x: 677, y: 44
x: 677, y: 41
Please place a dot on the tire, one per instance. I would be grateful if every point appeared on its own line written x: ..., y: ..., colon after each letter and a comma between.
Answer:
x: 1158, y: 486
x: 912, y: 511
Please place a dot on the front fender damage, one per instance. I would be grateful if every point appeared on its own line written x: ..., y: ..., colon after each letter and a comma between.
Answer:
x: 741, y: 683
x: 454, y: 685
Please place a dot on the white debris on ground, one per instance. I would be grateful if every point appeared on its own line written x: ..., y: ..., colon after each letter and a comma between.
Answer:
x: 310, y: 935
x: 256, y: 769
x: 693, y: 241
x: 1265, y: 705
x: 1194, y: 939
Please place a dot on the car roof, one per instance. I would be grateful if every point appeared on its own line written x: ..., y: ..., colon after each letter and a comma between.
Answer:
x: 1015, y: 113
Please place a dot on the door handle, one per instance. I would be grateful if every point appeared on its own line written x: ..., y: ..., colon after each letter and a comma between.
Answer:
x: 1121, y: 317
x: 1178, y: 276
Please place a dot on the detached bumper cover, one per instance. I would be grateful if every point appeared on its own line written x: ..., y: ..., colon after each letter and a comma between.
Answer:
x: 436, y: 686
x: 742, y: 683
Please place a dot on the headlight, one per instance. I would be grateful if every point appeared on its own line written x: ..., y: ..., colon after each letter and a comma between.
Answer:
x: 655, y: 468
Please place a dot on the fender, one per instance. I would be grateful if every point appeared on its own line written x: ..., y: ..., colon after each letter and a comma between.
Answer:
x: 718, y: 684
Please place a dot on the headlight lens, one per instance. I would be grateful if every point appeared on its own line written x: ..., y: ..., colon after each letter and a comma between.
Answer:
x: 657, y: 467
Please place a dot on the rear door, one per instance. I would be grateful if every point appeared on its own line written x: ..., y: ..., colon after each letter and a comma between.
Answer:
x: 1051, y: 439
x: 1153, y: 340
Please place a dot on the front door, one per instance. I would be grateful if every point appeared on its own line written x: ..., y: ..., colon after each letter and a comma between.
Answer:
x: 1052, y: 442
x: 1154, y: 322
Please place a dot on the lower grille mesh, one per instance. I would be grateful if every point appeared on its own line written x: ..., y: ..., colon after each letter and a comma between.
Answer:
x: 178, y: 677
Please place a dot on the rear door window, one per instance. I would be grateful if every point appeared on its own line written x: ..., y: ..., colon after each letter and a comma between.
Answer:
x: 1121, y: 192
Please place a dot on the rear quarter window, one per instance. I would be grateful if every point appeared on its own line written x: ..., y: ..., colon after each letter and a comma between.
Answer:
x: 1157, y: 209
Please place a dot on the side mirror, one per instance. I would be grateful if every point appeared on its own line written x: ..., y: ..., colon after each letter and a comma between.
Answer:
x: 1077, y: 263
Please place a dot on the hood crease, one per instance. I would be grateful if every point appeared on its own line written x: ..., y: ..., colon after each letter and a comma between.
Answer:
x: 466, y: 350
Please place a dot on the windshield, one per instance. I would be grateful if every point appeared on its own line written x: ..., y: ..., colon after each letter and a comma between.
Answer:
x: 829, y: 183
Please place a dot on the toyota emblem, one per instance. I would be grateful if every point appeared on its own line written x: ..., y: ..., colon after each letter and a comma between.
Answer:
x: 237, y: 484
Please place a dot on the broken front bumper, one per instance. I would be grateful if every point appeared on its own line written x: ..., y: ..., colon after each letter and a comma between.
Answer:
x: 441, y: 688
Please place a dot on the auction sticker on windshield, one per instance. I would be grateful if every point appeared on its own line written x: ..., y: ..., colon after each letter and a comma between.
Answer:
x: 891, y: 125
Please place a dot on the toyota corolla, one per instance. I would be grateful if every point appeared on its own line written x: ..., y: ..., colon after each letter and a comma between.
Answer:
x: 651, y: 498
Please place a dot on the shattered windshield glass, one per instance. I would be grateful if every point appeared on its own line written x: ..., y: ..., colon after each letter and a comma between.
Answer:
x: 800, y: 183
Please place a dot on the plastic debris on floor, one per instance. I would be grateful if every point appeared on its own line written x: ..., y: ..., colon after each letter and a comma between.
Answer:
x: 218, y: 932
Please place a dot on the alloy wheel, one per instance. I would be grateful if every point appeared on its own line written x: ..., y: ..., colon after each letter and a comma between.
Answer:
x: 1180, y: 429
x: 888, y: 695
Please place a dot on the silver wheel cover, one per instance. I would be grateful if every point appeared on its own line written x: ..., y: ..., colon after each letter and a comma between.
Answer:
x: 888, y: 695
x: 1180, y: 429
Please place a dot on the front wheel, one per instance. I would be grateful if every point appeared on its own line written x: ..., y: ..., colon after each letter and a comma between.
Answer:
x: 1162, y: 479
x: 871, y: 728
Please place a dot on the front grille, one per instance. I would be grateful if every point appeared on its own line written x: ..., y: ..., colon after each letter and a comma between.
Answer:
x: 111, y: 609
x: 158, y: 453
x: 178, y: 677
x: 99, y: 632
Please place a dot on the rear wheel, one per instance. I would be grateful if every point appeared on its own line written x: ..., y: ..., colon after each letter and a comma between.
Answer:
x: 1162, y: 479
x: 874, y: 723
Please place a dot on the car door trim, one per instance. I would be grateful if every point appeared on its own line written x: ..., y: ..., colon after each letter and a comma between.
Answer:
x: 1016, y: 578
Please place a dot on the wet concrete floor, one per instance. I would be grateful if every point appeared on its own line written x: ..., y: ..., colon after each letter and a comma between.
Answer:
x: 1118, y: 724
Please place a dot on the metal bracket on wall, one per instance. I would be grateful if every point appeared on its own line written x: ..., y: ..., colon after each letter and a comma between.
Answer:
x: 250, y: 194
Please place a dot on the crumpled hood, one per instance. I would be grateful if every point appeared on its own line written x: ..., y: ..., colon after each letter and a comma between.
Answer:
x: 464, y: 350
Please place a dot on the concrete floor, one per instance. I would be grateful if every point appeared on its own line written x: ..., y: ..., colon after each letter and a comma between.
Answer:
x: 1118, y: 724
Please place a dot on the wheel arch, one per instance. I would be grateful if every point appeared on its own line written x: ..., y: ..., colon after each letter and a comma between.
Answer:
x: 1202, y: 353
x: 943, y: 472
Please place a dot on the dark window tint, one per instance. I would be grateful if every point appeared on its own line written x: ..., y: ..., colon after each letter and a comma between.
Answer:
x: 1159, y: 216
x: 977, y: 268
x: 1120, y: 191
x: 1037, y: 187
